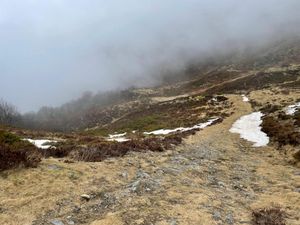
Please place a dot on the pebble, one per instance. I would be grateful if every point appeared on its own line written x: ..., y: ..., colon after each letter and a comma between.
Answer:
x: 173, y: 222
x: 54, y: 167
x: 85, y: 197
x: 124, y: 175
x: 70, y: 222
x: 57, y: 222
x: 229, y: 219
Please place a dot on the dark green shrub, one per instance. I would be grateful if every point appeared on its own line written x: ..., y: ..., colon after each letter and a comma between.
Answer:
x: 15, y: 152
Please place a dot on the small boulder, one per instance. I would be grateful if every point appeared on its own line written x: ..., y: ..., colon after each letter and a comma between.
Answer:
x: 86, y: 197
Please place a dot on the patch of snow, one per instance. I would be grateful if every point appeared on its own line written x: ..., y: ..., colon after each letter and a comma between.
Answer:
x: 245, y: 98
x: 121, y: 139
x: 42, y: 143
x: 181, y: 129
x: 118, y: 137
x: 290, y: 110
x: 249, y: 129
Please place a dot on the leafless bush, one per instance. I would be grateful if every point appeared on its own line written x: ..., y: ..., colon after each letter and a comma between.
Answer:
x: 9, y: 114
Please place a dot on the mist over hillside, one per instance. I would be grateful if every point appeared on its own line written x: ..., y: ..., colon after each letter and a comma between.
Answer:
x: 147, y: 112
x: 54, y: 51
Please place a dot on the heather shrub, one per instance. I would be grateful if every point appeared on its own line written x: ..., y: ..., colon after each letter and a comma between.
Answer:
x: 269, y: 216
x: 15, y: 152
x: 283, y: 133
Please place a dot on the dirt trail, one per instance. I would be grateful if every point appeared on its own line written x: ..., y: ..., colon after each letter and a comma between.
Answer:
x: 200, y: 91
x: 213, y: 178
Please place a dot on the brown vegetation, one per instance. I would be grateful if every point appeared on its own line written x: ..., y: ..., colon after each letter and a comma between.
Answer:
x: 17, y: 153
x: 95, y: 150
x: 99, y: 152
x: 103, y: 150
x: 255, y: 82
x: 269, y: 216
x: 282, y: 132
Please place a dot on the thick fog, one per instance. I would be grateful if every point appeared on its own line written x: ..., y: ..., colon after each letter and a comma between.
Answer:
x: 52, y: 51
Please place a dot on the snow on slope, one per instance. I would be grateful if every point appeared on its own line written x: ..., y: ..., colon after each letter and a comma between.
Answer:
x: 118, y: 137
x: 245, y: 98
x: 181, y: 129
x: 122, y: 137
x: 290, y: 110
x: 249, y: 129
x: 42, y: 143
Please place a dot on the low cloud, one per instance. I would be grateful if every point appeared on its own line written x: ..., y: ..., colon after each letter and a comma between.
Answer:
x: 52, y: 51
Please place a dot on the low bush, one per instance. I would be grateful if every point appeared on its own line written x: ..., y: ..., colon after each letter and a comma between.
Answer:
x: 296, y: 117
x: 96, y: 149
x: 15, y: 152
x: 283, y: 133
x: 270, y: 108
x: 269, y: 216
x: 59, y: 152
x: 99, y: 152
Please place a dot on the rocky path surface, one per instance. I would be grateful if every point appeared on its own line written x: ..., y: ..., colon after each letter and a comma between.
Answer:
x: 213, y: 178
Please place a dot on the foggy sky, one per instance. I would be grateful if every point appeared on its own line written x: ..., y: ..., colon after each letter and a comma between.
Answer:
x: 53, y: 50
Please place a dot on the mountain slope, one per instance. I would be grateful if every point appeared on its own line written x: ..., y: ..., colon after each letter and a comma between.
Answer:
x: 214, y: 177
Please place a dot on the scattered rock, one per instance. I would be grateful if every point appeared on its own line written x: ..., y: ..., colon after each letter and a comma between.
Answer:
x: 124, y: 175
x: 70, y: 222
x: 171, y: 171
x: 54, y: 167
x: 108, y: 200
x: 221, y: 184
x: 173, y: 222
x: 143, y: 183
x: 229, y: 219
x: 217, y: 216
x: 297, y: 190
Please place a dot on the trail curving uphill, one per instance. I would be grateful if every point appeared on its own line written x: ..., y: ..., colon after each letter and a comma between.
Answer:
x: 214, y: 178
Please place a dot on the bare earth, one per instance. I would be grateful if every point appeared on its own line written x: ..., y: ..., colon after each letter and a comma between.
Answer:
x: 213, y: 178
